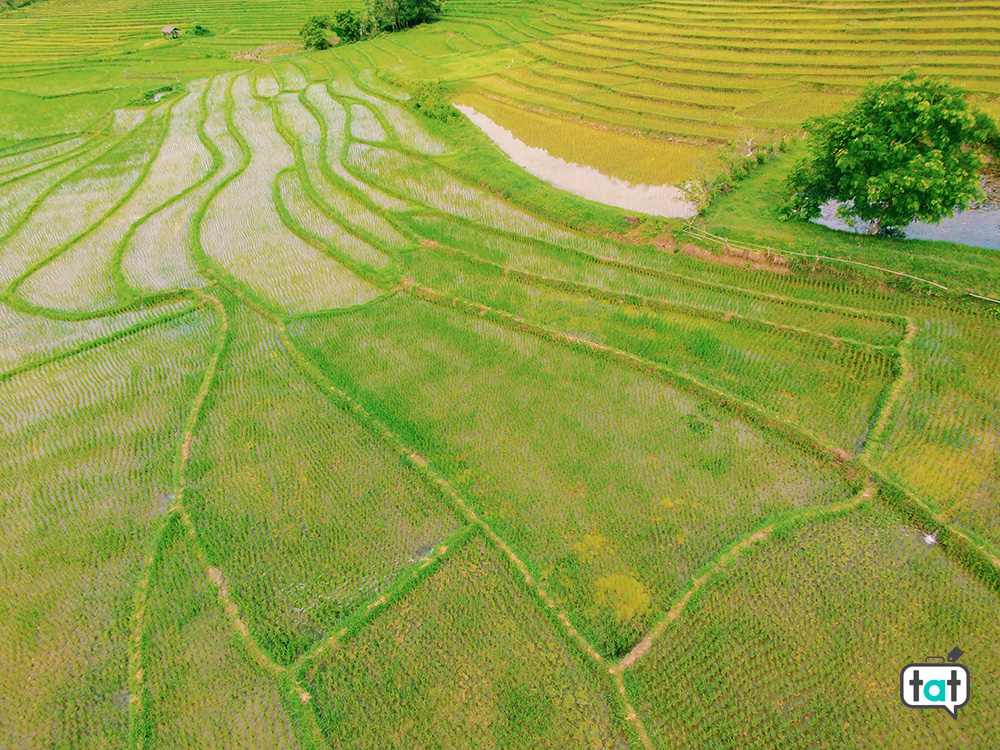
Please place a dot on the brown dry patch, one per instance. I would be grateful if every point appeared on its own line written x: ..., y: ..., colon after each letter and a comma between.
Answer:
x: 424, y: 242
x: 840, y: 455
x: 665, y: 241
x: 186, y: 447
x: 216, y: 577
x: 266, y: 53
x: 734, y: 256
x: 639, y: 235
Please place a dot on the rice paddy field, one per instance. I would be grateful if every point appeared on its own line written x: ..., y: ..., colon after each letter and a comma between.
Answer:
x: 324, y: 426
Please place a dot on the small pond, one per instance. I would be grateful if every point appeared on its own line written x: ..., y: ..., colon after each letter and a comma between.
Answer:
x: 978, y: 227
x: 587, y: 182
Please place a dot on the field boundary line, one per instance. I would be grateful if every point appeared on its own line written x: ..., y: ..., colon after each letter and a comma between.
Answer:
x: 624, y: 265
x: 291, y: 675
x: 34, y: 168
x: 727, y: 556
x: 791, y: 301
x: 652, y: 303
x: 334, y: 180
x: 337, y: 182
x: 910, y: 504
x: 703, y: 235
x: 792, y: 433
x: 14, y: 285
x: 347, y: 141
x: 204, y: 264
x: 215, y: 575
x: 630, y: 715
x: 122, y: 288
x: 401, y: 588
x: 322, y: 245
x: 803, y: 439
x: 524, y: 239
x: 43, y: 196
x: 25, y: 307
x: 423, y: 468
x: 139, y: 729
x: 34, y: 143
x: 876, y: 435
x: 100, y: 341
x: 662, y: 274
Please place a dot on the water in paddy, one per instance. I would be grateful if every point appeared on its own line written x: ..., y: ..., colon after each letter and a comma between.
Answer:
x: 587, y: 182
x: 978, y: 227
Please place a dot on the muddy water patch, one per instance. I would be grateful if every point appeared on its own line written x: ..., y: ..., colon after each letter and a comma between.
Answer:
x: 979, y: 227
x: 587, y: 182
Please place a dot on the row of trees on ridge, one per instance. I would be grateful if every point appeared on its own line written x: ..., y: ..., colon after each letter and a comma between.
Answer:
x: 376, y: 17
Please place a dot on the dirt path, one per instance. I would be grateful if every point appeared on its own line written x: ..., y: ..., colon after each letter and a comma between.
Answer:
x: 905, y: 376
x: 455, y: 500
x: 727, y: 557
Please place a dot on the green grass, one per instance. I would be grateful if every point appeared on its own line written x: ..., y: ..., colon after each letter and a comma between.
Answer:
x: 821, y: 384
x: 797, y: 604
x: 943, y: 440
x: 85, y: 464
x: 465, y: 660
x: 203, y: 690
x: 325, y: 425
x: 652, y: 475
x: 618, y: 66
x: 315, y: 538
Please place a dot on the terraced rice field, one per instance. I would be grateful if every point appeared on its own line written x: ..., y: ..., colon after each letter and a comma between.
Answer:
x: 644, y: 91
x: 322, y: 426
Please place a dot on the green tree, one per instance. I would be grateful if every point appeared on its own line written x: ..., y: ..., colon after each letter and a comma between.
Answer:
x: 347, y: 26
x: 432, y: 100
x: 313, y: 33
x: 906, y: 150
x: 394, y: 15
x: 413, y: 12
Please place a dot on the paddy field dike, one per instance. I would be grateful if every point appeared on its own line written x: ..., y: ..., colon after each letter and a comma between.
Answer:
x: 322, y: 425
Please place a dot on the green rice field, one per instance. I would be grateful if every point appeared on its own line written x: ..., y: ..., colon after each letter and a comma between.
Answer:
x: 323, y: 425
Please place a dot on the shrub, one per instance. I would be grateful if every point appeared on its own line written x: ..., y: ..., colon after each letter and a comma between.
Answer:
x: 313, y: 33
x: 347, y: 26
x: 430, y: 99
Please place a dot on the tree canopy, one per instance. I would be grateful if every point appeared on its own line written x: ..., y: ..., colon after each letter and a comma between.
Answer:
x: 906, y: 150
x: 393, y: 15
x: 313, y: 32
x: 375, y: 17
x: 347, y: 26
